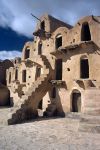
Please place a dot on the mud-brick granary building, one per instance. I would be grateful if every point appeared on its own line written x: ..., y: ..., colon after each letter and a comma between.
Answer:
x: 59, y: 71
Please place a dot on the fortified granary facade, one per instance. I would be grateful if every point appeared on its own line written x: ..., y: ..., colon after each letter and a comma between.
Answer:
x: 59, y: 71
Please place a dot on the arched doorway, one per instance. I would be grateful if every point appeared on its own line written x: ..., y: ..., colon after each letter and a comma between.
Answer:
x: 58, y: 41
x: 84, y: 68
x: 85, y: 32
x: 76, y: 101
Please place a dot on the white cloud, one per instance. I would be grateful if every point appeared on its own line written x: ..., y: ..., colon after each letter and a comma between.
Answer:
x: 9, y: 54
x: 16, y: 13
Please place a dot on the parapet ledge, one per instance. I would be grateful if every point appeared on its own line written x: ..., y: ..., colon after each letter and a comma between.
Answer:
x: 63, y: 50
x: 57, y: 82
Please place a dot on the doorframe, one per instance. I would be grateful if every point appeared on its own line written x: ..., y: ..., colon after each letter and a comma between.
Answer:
x: 71, y: 98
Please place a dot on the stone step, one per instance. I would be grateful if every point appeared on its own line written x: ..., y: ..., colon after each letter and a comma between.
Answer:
x: 38, y: 89
x: 89, y: 124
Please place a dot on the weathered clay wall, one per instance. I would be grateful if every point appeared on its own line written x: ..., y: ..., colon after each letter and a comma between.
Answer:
x: 70, y: 58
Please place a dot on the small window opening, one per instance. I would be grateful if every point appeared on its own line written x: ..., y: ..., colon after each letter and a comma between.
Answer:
x: 43, y: 25
x: 85, y: 32
x: 84, y: 68
x: 27, y: 53
x: 58, y: 66
x: 39, y: 48
x: 16, y: 74
x: 24, y: 76
x: 58, y: 41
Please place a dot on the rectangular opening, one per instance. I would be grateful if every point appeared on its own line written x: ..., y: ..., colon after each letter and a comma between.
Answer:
x: 24, y: 76
x: 16, y: 74
x: 58, y: 41
x: 58, y: 69
x: 76, y: 102
x: 43, y: 25
x: 27, y: 53
x: 84, y: 68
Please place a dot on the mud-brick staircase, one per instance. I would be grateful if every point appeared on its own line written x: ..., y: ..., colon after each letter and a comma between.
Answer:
x: 27, y: 106
x: 92, y: 101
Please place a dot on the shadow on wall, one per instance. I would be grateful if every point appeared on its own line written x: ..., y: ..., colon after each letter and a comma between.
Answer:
x: 4, y: 96
x: 60, y: 111
x: 56, y: 100
x: 6, y: 64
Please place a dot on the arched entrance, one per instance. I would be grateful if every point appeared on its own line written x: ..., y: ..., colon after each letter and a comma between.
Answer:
x: 76, y: 101
x: 85, y: 32
x: 58, y: 41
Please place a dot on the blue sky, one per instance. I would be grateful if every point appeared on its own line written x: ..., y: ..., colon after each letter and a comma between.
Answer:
x: 17, y: 25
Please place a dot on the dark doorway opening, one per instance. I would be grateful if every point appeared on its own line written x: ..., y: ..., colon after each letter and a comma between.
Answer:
x: 76, y: 101
x: 43, y: 25
x: 40, y: 104
x: 39, y: 48
x: 24, y: 76
x: 58, y: 41
x: 16, y: 74
x: 58, y: 69
x: 27, y: 53
x: 38, y: 72
x: 85, y: 32
x: 84, y: 68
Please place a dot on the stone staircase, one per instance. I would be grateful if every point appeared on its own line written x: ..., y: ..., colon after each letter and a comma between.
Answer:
x: 92, y: 101
x: 28, y: 104
x: 89, y: 123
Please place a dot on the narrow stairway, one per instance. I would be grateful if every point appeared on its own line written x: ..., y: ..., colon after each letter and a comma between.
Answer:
x: 27, y: 106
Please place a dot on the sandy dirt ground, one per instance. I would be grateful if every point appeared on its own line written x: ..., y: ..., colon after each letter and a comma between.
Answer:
x: 52, y: 134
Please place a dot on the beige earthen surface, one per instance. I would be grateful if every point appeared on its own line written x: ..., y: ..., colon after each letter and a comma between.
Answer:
x: 53, y: 134
x: 56, y: 41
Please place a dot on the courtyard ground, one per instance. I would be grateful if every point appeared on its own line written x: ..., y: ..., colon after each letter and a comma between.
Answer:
x: 75, y: 132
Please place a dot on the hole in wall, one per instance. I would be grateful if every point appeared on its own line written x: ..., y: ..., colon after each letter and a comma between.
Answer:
x: 73, y: 40
x: 68, y: 69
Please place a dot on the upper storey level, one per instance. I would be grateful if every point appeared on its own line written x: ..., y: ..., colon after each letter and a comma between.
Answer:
x: 52, y: 34
x: 47, y: 25
x: 86, y: 29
